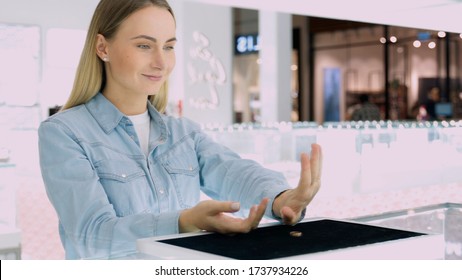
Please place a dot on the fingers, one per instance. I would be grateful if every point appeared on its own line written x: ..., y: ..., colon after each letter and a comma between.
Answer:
x: 256, y: 213
x: 310, y: 170
x: 251, y: 222
x: 214, y: 218
x: 214, y: 207
x: 305, y: 173
x: 316, y: 162
x: 288, y: 216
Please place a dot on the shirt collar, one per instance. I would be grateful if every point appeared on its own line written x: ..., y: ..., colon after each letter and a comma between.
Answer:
x: 158, y: 120
x: 108, y: 116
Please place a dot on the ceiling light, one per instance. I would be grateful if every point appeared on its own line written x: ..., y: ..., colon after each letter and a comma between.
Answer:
x: 441, y: 34
x: 383, y: 40
x: 417, y: 44
x: 432, y: 45
x: 393, y: 39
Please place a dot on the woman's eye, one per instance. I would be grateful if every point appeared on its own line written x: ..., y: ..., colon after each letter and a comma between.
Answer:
x: 143, y: 47
x: 169, y: 48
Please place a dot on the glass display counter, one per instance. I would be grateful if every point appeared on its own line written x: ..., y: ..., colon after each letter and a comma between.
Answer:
x: 7, y: 195
x: 10, y: 236
x: 359, y: 157
x: 443, y: 219
x: 10, y: 243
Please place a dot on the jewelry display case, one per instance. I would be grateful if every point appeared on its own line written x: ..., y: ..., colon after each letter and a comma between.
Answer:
x: 445, y: 218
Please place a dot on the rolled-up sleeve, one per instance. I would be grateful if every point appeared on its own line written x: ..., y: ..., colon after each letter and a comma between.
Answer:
x: 226, y: 176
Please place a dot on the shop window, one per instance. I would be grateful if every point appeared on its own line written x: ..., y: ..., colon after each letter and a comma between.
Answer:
x: 19, y: 70
x: 19, y: 76
x: 63, y: 50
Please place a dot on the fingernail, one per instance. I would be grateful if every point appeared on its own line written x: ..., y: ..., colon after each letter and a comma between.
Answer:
x: 235, y: 206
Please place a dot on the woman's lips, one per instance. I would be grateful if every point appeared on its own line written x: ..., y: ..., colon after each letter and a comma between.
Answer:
x: 154, y: 78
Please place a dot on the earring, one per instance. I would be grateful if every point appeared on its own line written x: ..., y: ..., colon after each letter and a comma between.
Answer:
x: 105, y: 59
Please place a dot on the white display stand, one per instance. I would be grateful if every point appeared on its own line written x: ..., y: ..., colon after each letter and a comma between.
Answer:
x: 10, y: 236
x: 429, y: 246
x: 10, y: 243
x: 7, y: 195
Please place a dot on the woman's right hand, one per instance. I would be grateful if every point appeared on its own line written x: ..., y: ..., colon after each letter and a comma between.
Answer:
x: 212, y: 215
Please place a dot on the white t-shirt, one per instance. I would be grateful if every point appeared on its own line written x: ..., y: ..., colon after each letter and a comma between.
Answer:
x: 142, y: 128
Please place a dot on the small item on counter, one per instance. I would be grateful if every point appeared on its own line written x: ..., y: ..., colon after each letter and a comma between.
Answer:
x: 295, y: 233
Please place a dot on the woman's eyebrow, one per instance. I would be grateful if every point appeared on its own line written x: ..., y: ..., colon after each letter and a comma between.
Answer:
x: 151, y: 38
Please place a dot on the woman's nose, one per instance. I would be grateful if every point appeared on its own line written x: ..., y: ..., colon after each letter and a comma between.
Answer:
x: 158, y: 60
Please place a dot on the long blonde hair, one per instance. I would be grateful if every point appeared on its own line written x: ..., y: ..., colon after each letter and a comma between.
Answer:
x: 91, y: 77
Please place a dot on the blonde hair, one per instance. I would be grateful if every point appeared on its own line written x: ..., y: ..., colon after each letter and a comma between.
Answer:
x: 90, y: 77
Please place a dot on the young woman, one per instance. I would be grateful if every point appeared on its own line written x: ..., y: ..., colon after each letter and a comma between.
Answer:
x: 117, y: 169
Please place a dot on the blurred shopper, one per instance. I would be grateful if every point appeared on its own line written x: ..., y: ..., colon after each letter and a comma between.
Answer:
x: 117, y: 169
x: 366, y: 110
x: 432, y: 98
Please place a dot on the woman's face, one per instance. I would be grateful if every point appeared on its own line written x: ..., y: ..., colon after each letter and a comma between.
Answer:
x: 141, y: 55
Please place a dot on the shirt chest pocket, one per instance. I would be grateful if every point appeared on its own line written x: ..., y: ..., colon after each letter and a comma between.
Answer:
x: 184, y: 163
x: 183, y: 170
x: 125, y: 184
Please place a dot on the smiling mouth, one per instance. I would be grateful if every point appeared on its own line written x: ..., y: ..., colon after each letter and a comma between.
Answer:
x: 153, y: 77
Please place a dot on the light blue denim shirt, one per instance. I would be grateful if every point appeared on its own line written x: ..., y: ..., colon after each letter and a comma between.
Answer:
x: 107, y: 194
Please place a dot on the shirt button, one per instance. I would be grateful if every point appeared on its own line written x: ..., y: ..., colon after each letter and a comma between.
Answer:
x: 124, y: 175
x: 161, y: 191
x: 190, y: 168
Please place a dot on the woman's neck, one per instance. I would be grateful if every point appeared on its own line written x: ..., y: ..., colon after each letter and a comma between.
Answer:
x: 128, y: 104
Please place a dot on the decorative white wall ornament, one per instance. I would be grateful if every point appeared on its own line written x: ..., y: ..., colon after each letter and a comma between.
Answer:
x: 212, y: 73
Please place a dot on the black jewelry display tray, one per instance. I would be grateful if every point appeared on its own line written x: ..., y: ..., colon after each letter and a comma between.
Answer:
x: 281, y: 241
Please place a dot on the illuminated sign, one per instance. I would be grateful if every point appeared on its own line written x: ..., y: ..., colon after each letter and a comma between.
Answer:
x: 424, y: 36
x: 246, y: 44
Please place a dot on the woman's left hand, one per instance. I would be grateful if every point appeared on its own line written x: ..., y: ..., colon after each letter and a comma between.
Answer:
x: 290, y: 204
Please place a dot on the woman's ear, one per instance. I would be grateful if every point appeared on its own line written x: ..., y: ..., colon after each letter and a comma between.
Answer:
x: 102, y: 48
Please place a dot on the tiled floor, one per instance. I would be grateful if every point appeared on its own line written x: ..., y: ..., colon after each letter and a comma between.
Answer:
x: 36, y: 217
x: 38, y: 221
